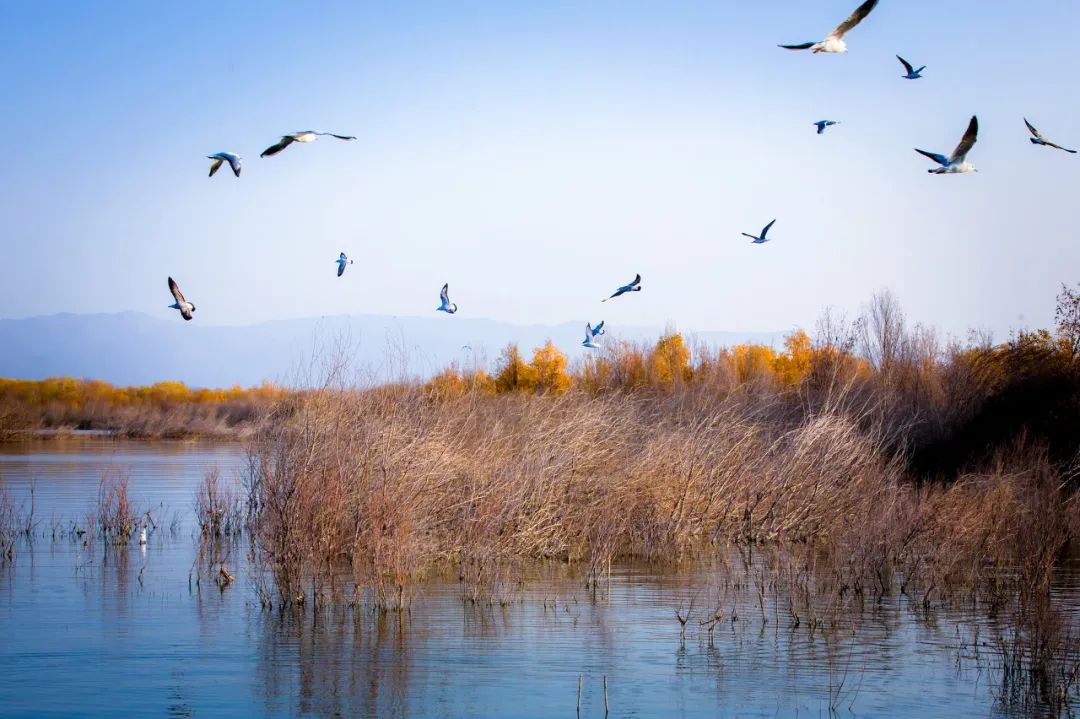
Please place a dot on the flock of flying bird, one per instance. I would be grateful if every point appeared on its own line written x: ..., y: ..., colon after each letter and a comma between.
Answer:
x: 833, y: 43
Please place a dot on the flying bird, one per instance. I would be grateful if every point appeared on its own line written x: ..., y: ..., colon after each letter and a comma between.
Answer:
x: 912, y: 73
x: 598, y: 330
x: 185, y: 307
x: 590, y: 336
x: 446, y: 306
x: 822, y: 124
x: 341, y: 261
x: 634, y: 286
x: 957, y: 162
x: 762, y: 239
x: 835, y: 41
x: 304, y: 136
x: 220, y: 157
x: 1038, y: 139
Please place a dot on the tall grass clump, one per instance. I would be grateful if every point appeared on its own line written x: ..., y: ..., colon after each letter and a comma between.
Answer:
x: 904, y: 464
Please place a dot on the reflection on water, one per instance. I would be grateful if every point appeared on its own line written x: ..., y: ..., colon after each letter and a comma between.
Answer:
x: 91, y: 629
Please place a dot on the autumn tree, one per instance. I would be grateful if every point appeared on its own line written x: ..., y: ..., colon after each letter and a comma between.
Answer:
x: 794, y: 365
x: 549, y: 369
x: 669, y: 362
x: 513, y: 373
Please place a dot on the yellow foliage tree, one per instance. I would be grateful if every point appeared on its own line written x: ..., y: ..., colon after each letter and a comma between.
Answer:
x: 751, y: 362
x: 794, y: 365
x: 514, y: 373
x: 549, y: 366
x: 669, y: 362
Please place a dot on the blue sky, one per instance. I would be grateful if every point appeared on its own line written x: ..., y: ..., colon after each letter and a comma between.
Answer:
x: 537, y: 155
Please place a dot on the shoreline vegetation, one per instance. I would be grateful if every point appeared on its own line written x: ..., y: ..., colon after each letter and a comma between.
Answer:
x: 870, y: 462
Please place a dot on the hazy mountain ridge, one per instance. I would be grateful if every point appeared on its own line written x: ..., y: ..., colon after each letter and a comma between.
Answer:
x: 135, y: 348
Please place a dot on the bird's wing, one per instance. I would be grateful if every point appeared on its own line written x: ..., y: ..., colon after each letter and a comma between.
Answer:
x: 906, y: 64
x: 340, y: 268
x: 637, y: 280
x: 855, y: 18
x: 588, y: 332
x: 444, y: 295
x: 215, y: 165
x: 1059, y: 147
x: 1032, y: 129
x: 939, y: 159
x: 801, y: 46
x: 967, y: 142
x: 820, y: 128
x: 747, y: 234
x: 330, y: 134
x: 599, y: 329
x: 176, y: 293
x: 767, y: 228
x: 280, y: 145
x: 234, y: 163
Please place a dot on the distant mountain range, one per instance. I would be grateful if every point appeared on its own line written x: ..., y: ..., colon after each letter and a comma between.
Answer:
x: 134, y: 348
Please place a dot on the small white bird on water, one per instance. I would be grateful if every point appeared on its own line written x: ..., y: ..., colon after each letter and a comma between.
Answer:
x: 591, y: 334
x: 446, y: 306
x: 912, y: 73
x: 634, y: 286
x: 220, y: 157
x: 957, y: 162
x: 142, y: 536
x: 341, y: 261
x: 185, y: 307
x: 822, y: 124
x: 303, y: 136
x: 1038, y: 139
x: 835, y: 41
x: 762, y: 239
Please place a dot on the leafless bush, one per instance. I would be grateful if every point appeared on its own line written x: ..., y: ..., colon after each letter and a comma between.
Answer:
x: 115, y: 515
x: 217, y: 507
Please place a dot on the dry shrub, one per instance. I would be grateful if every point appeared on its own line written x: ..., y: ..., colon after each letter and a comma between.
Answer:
x: 10, y: 524
x: 217, y: 507
x: 115, y: 514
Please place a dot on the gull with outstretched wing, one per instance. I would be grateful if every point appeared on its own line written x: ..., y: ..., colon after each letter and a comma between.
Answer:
x: 302, y: 136
x: 835, y: 40
x: 957, y: 162
x: 185, y: 307
x: 1038, y: 139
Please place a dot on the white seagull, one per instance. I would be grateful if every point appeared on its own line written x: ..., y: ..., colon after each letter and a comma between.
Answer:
x: 590, y: 336
x: 185, y: 307
x: 303, y: 136
x: 446, y: 306
x: 957, y: 162
x: 835, y: 41
x: 634, y: 286
x: 341, y: 261
x: 760, y: 240
x: 1038, y: 139
x: 220, y: 157
x: 822, y: 124
x: 142, y: 536
x: 912, y: 73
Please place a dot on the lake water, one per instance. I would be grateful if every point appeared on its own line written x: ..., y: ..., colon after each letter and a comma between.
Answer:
x: 87, y: 632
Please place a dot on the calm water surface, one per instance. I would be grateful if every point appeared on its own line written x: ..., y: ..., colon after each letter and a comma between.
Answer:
x: 82, y: 635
